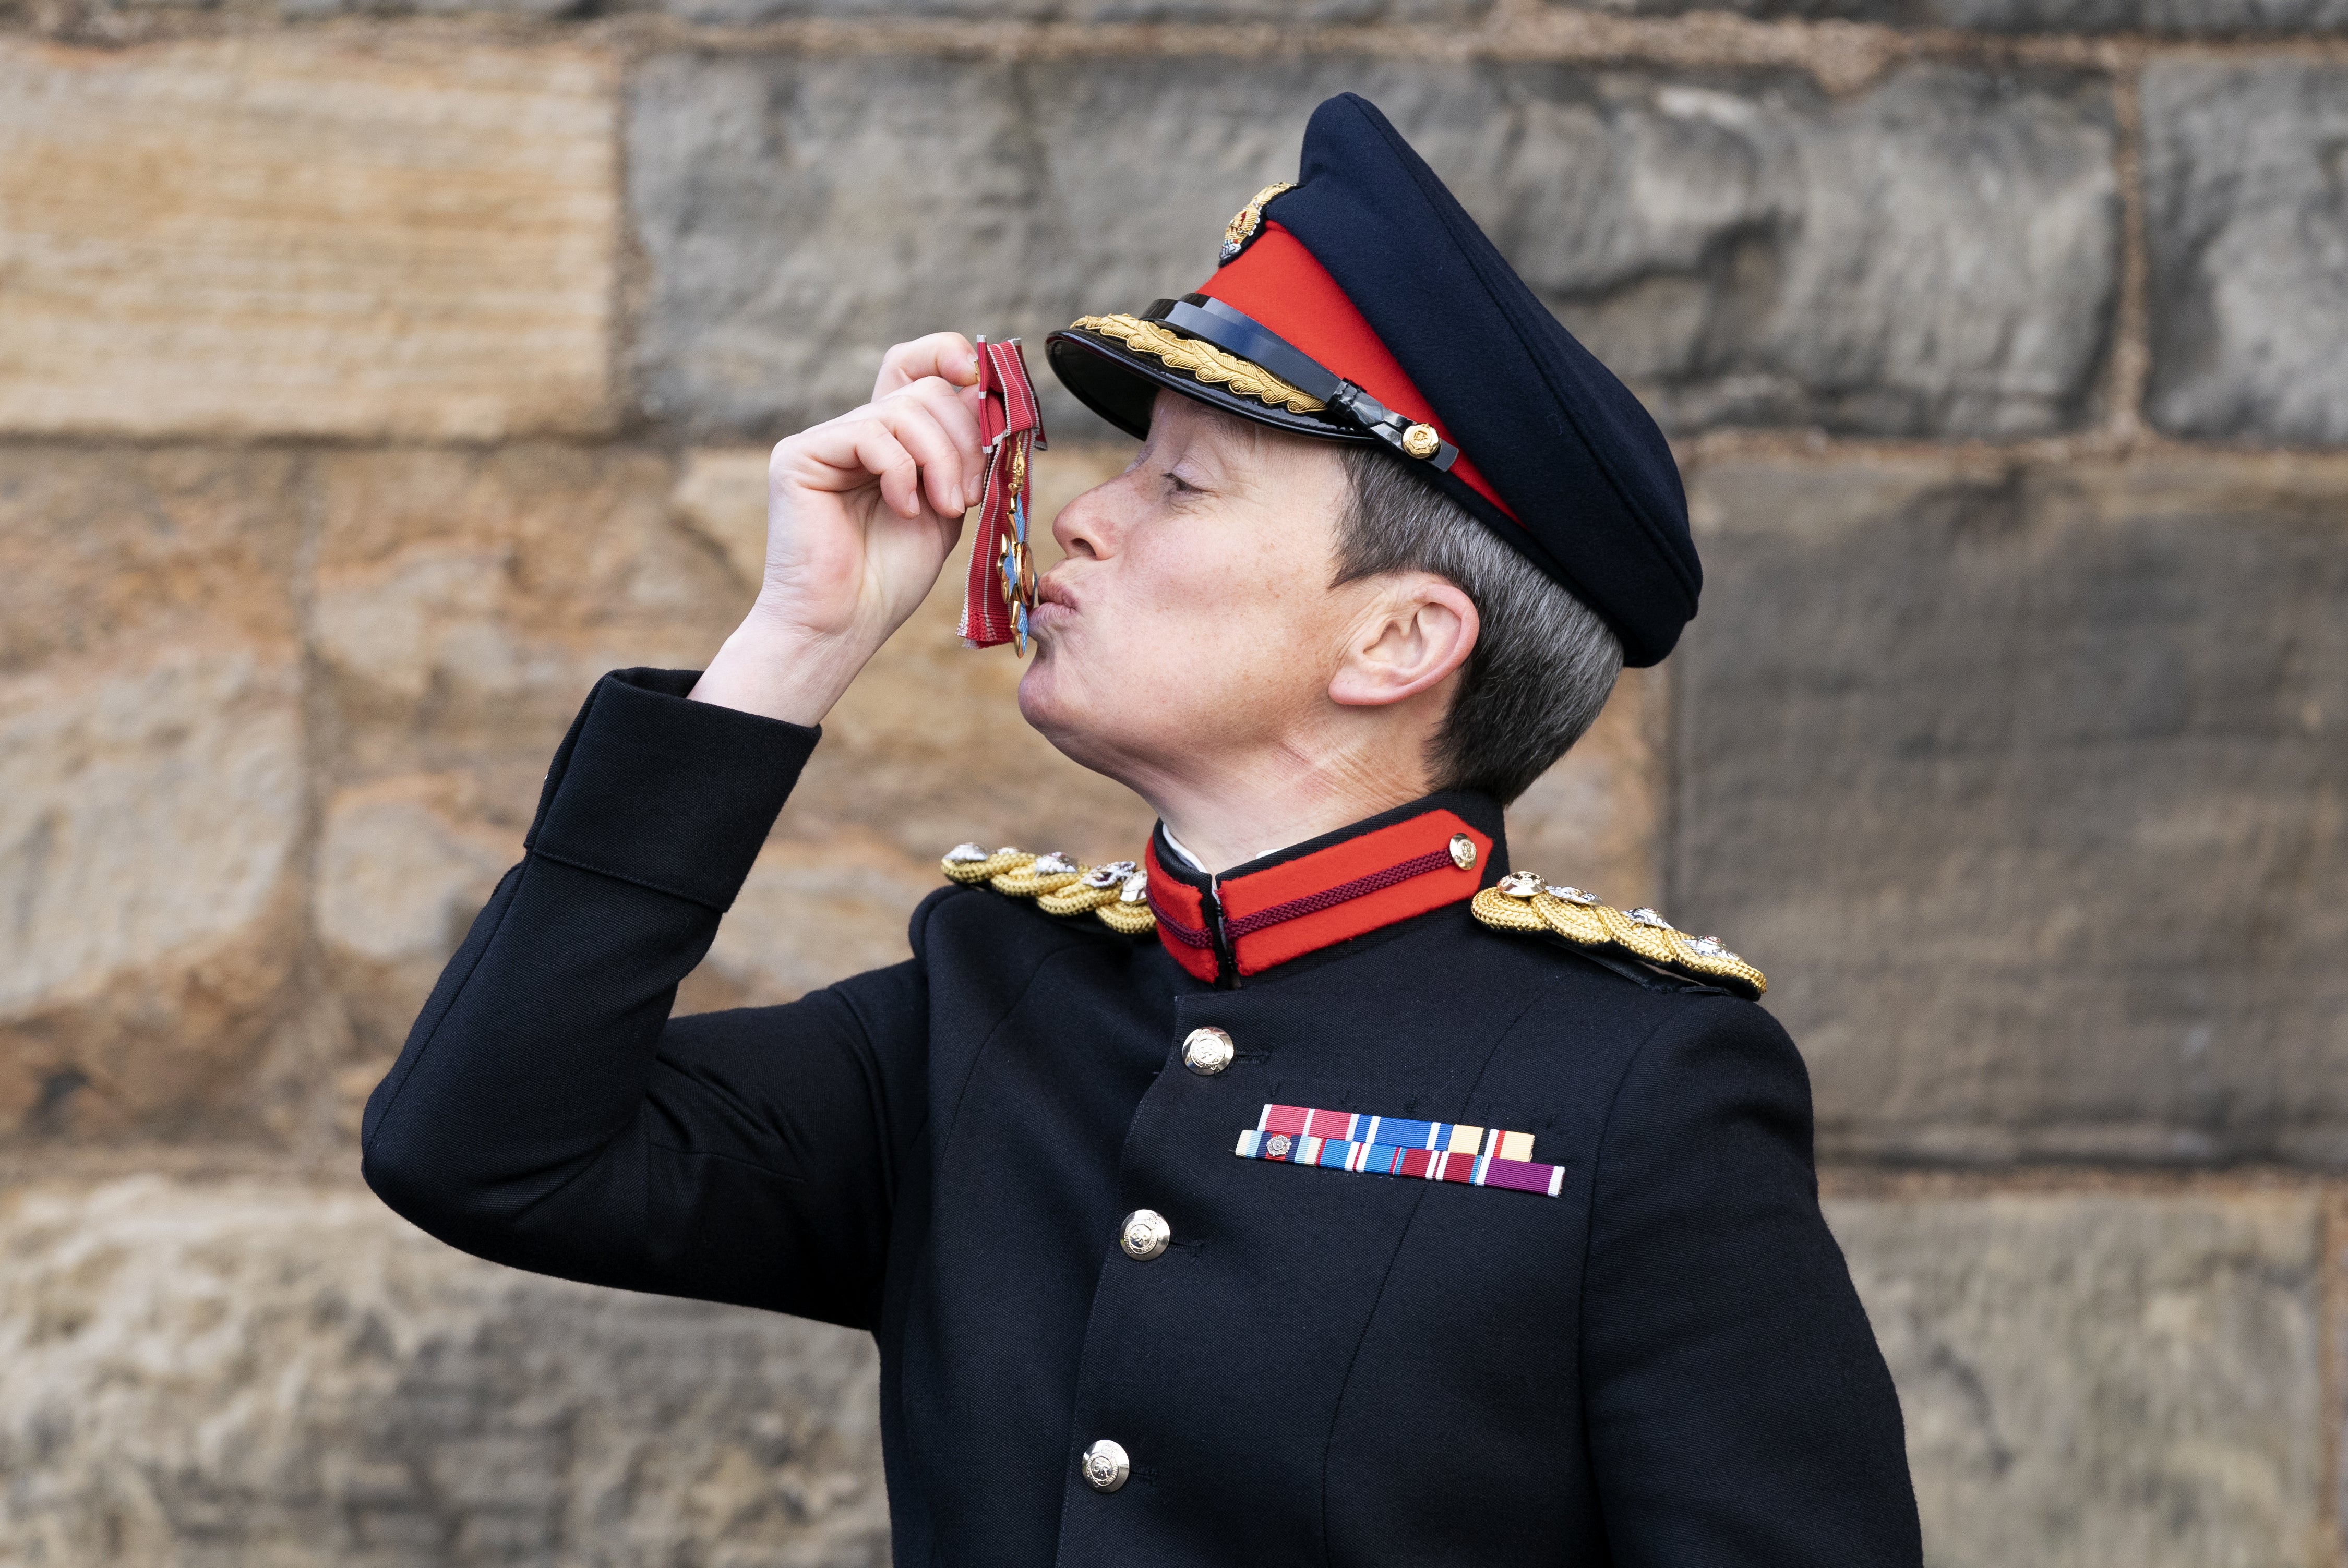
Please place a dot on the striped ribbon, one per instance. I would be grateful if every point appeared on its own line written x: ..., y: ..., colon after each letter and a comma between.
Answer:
x: 1400, y: 1146
x: 999, y: 591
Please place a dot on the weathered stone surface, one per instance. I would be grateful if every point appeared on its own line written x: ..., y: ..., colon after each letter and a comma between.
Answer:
x: 2023, y: 785
x: 403, y: 867
x: 2184, y: 17
x: 201, y: 1375
x: 2246, y: 203
x: 2171, y: 16
x: 1322, y: 13
x: 155, y: 547
x: 1595, y: 819
x: 2103, y: 1381
x: 464, y: 603
x: 152, y: 788
x: 285, y: 234
x: 1936, y: 255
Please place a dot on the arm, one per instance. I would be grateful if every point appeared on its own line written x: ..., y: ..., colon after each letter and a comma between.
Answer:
x: 545, y: 1112
x: 1739, y: 1410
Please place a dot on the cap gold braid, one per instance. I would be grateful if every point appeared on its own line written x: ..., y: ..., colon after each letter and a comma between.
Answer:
x: 1203, y: 360
x: 1523, y: 902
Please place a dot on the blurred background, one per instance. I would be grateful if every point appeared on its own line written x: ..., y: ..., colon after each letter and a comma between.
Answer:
x: 373, y: 376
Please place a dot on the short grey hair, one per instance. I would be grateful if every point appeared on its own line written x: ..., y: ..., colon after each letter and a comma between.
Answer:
x: 1544, y: 663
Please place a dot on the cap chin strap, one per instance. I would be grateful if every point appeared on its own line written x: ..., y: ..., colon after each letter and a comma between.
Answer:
x: 1236, y: 332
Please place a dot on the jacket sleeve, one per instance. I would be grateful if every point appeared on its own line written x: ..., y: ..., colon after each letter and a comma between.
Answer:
x: 1739, y: 1410
x: 547, y: 1113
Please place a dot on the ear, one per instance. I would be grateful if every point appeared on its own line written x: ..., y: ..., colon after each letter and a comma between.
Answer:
x: 1413, y: 633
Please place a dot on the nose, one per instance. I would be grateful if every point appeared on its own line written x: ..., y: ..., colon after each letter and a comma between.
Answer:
x: 1086, y: 526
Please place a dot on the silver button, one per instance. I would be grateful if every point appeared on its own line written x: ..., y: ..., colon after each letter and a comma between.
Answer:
x: 1207, y: 1051
x: 1143, y: 1234
x: 1106, y: 1466
x: 1463, y: 851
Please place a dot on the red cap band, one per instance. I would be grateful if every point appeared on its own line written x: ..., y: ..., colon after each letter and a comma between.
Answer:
x: 1277, y: 281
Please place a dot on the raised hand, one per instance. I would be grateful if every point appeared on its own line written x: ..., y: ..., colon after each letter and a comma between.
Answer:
x: 861, y: 512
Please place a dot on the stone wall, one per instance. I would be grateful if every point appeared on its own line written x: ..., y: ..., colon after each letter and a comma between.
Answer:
x: 376, y: 372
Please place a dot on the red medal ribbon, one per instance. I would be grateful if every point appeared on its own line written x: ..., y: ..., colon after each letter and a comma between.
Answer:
x: 1000, y: 590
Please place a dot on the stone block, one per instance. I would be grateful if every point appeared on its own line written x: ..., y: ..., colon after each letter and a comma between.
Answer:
x: 281, y: 234
x: 464, y: 603
x: 195, y: 1376
x: 1294, y: 13
x: 1935, y: 255
x: 152, y: 796
x: 149, y: 820
x: 2170, y: 17
x: 2023, y: 786
x: 2246, y: 213
x: 2175, y: 18
x: 104, y: 548
x: 1595, y: 819
x: 2103, y: 1381
x: 467, y: 600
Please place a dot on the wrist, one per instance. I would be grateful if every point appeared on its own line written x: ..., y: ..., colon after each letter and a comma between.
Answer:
x: 780, y: 672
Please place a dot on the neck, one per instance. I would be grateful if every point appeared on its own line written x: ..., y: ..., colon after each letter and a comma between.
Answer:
x: 1234, y: 813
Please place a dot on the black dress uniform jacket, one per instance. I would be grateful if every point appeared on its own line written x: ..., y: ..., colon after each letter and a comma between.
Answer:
x: 1664, y: 1364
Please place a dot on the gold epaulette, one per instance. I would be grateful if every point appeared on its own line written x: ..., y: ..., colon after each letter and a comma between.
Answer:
x: 1524, y: 902
x: 1116, y: 894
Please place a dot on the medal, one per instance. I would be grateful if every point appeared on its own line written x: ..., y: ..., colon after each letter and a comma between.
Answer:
x: 999, y: 594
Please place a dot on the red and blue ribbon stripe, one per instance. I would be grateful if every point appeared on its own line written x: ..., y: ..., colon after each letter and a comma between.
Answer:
x: 1400, y: 1146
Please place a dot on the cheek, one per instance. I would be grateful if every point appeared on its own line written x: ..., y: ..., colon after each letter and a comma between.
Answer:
x: 1240, y: 618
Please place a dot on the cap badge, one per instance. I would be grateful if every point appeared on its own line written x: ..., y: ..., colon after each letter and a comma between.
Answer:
x: 1248, y: 219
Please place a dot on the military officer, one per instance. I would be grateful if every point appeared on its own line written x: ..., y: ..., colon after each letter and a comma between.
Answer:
x: 1313, y: 1187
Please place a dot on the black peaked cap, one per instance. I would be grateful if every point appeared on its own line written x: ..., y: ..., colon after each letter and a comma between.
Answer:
x: 1596, y: 495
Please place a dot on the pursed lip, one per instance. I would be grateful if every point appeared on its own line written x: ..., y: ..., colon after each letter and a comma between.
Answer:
x: 1053, y: 592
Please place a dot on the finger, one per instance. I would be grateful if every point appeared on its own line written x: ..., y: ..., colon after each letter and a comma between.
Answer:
x: 849, y: 453
x: 949, y: 356
x: 944, y: 403
x: 881, y: 454
x: 955, y: 408
x: 946, y: 464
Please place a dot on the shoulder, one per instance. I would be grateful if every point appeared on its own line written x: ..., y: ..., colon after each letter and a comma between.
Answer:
x: 1626, y: 1008
x: 1005, y: 887
x: 1638, y: 944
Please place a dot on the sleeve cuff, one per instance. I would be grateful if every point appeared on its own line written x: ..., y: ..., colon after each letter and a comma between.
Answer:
x: 671, y: 794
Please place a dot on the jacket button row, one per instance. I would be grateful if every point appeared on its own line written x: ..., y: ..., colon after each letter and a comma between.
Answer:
x: 1207, y: 1051
x: 1143, y: 1234
x: 1104, y: 1466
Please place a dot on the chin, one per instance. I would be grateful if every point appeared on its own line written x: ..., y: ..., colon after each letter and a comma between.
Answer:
x: 1064, y: 712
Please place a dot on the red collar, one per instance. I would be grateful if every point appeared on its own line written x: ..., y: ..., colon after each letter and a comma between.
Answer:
x: 1329, y: 890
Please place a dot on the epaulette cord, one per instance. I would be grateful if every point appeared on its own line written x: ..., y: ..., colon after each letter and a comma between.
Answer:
x: 1525, y: 902
x: 1116, y: 894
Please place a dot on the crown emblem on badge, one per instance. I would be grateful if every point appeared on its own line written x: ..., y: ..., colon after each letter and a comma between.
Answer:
x: 1248, y: 219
